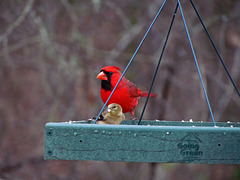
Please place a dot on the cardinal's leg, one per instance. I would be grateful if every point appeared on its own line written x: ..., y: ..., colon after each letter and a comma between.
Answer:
x: 133, y: 117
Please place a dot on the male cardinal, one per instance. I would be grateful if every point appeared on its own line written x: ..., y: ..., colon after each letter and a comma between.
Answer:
x: 126, y: 93
x: 112, y: 115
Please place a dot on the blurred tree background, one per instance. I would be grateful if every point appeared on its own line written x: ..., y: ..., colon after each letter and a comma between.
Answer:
x: 51, y: 52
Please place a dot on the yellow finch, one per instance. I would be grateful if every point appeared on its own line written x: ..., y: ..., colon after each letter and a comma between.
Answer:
x: 112, y: 115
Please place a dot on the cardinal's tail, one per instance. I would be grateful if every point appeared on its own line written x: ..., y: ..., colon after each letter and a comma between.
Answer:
x: 145, y: 94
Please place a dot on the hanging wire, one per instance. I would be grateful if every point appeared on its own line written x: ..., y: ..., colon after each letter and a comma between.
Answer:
x: 195, y: 59
x: 150, y: 27
x: 156, y: 71
x: 215, y: 48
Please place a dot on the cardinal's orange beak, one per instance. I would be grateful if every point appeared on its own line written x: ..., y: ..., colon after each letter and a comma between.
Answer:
x: 102, y: 76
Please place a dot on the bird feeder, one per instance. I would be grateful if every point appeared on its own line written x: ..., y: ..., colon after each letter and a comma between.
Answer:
x: 149, y: 141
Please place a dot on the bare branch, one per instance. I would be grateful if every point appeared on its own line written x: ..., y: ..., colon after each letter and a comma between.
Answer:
x: 19, y: 20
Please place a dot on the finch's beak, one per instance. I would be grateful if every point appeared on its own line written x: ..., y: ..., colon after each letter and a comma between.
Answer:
x: 108, y: 110
x: 102, y: 76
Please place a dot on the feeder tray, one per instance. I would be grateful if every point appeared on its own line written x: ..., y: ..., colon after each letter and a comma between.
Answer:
x: 152, y: 141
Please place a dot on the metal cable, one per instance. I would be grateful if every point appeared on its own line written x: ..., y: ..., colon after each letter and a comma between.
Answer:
x: 195, y: 59
x: 215, y: 48
x: 156, y: 71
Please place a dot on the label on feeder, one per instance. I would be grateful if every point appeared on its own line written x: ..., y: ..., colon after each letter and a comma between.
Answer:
x: 190, y: 146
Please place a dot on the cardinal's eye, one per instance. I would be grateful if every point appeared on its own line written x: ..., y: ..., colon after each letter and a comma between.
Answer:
x: 109, y: 74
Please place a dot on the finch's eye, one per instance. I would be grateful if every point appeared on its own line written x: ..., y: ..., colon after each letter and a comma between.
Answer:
x: 114, y: 107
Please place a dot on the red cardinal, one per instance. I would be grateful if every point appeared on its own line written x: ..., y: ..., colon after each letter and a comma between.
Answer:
x: 126, y: 93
